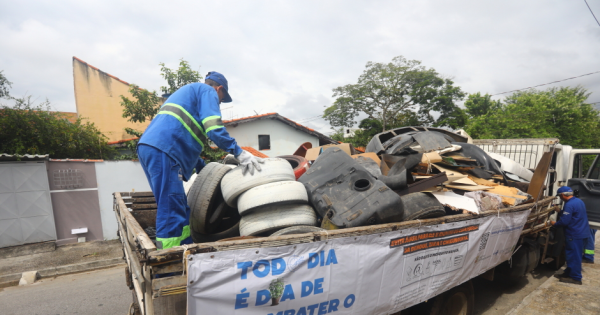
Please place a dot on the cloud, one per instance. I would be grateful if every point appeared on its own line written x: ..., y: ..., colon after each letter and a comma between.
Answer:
x: 288, y: 56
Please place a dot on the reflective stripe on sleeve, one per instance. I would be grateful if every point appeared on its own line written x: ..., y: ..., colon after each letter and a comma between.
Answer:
x: 589, y: 252
x: 186, y: 119
x: 212, y: 123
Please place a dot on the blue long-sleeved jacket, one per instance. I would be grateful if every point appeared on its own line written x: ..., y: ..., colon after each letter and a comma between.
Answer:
x: 574, y: 219
x: 179, y: 127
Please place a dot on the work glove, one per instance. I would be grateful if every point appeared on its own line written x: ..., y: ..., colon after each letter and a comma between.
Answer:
x: 231, y: 160
x: 249, y: 162
x: 200, y: 165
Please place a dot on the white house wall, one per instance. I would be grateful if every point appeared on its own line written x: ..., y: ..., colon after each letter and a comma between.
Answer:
x: 117, y: 176
x: 284, y: 138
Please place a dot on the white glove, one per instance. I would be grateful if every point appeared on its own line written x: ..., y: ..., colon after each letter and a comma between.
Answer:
x: 249, y: 162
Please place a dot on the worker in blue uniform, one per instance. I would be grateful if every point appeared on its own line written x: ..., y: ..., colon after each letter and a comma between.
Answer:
x: 169, y: 150
x: 574, y: 219
x: 588, y: 247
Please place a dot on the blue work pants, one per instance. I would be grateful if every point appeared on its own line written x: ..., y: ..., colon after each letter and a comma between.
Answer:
x: 173, y: 213
x: 588, y: 246
x: 574, y: 253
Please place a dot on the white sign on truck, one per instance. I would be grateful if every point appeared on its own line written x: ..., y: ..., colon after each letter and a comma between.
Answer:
x: 369, y: 274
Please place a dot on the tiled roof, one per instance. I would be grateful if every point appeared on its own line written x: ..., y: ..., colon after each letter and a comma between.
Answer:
x: 254, y: 152
x: 280, y: 118
x: 71, y: 117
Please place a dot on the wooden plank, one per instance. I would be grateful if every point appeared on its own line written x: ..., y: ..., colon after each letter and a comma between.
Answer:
x: 136, y: 230
x: 138, y: 206
x: 132, y: 262
x: 145, y: 218
x: 143, y: 200
x: 158, y: 283
x: 175, y: 266
x: 171, y: 304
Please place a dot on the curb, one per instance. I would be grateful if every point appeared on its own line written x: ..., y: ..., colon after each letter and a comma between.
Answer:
x: 13, y: 279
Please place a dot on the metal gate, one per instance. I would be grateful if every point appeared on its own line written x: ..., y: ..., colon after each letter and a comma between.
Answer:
x: 25, y: 208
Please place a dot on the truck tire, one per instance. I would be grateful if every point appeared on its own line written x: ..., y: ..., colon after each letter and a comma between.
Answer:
x: 273, y: 193
x: 207, y: 238
x: 273, y: 170
x: 205, y: 197
x: 300, y: 229
x: 275, y: 218
x: 456, y: 301
x: 298, y: 163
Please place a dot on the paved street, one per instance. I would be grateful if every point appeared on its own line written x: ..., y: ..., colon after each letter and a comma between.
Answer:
x: 98, y: 292
x: 104, y: 292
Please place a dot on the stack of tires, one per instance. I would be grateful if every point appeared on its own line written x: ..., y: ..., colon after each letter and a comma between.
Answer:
x: 211, y: 218
x: 269, y: 200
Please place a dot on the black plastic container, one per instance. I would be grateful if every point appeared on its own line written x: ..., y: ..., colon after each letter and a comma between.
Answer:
x: 346, y: 195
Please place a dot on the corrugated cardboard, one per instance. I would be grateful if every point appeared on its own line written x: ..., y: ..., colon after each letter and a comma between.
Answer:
x: 370, y: 155
x: 313, y: 153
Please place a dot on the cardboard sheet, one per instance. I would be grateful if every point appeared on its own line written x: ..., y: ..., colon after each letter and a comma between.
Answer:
x: 456, y: 201
x: 481, y: 181
x: 431, y: 157
x: 313, y: 153
x: 468, y: 187
x: 452, y: 175
x: 464, y: 181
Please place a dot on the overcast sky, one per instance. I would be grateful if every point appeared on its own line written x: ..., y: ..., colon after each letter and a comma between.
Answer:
x: 287, y: 56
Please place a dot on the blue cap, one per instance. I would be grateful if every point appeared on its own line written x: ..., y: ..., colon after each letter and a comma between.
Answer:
x: 564, y: 189
x: 220, y: 79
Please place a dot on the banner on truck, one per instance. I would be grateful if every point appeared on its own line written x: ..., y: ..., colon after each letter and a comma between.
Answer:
x: 371, y: 274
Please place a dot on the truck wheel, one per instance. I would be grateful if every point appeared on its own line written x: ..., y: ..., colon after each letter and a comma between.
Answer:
x: 276, y: 218
x: 273, y: 170
x: 205, y: 197
x: 300, y: 229
x: 273, y: 193
x: 457, y: 301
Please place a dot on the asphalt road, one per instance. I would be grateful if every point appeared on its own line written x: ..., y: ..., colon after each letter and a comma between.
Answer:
x: 104, y: 292
x: 97, y: 292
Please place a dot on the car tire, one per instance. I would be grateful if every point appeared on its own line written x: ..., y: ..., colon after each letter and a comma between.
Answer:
x: 299, y: 164
x: 273, y: 170
x: 233, y: 231
x: 205, y: 197
x: 299, y: 229
x: 188, y: 185
x: 273, y: 218
x: 271, y: 194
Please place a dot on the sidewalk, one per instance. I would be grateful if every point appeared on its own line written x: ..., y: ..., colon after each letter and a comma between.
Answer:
x: 554, y: 297
x: 65, y: 259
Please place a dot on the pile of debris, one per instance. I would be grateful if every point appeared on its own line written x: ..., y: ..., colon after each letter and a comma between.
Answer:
x: 406, y: 174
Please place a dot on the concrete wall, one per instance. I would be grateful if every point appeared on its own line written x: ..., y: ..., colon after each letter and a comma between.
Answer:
x: 117, y: 176
x: 97, y: 96
x: 284, y: 139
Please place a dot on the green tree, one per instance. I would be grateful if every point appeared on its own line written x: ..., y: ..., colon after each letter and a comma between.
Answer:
x: 556, y: 112
x: 176, y: 79
x: 145, y: 104
x: 4, y: 86
x: 26, y: 128
x: 402, y: 86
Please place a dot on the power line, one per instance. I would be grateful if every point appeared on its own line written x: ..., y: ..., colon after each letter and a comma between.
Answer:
x: 592, y: 12
x: 531, y: 87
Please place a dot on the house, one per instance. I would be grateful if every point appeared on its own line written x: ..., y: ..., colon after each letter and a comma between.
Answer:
x: 273, y: 134
x: 98, y: 98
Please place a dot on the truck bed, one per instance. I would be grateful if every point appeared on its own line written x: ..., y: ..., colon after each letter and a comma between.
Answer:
x: 158, y: 287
